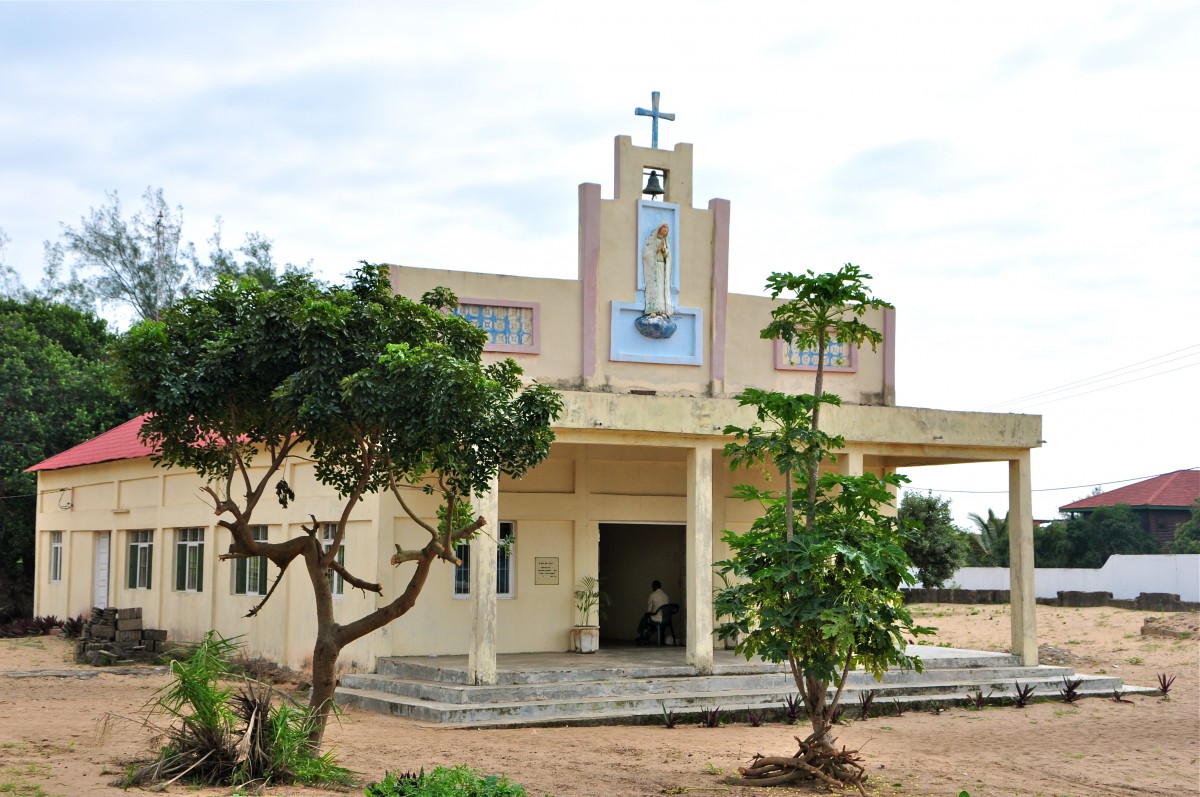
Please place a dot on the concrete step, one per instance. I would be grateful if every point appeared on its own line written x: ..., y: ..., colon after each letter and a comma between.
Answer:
x: 649, y: 707
x: 434, y: 669
x: 901, y: 681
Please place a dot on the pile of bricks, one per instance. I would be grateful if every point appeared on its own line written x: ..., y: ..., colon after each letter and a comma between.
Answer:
x: 114, y: 635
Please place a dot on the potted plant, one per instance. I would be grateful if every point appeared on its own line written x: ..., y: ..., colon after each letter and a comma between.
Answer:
x: 729, y: 638
x: 585, y: 636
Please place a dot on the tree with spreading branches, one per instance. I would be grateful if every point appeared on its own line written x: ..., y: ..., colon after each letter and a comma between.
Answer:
x: 823, y: 596
x: 383, y: 393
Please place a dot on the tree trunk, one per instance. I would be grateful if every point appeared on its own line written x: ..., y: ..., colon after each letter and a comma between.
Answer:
x: 814, y: 465
x: 324, y: 682
x: 326, y: 648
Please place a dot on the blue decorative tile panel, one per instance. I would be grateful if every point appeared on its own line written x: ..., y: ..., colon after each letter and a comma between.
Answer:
x: 510, y: 327
x: 838, y: 357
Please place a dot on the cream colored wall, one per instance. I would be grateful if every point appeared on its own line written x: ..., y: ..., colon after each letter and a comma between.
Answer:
x: 130, y: 495
x: 617, y: 272
x: 751, y: 360
x: 561, y: 327
x: 557, y: 509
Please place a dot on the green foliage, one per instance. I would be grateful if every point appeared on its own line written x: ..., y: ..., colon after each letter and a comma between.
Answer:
x: 1052, y: 546
x: 383, y: 393
x: 823, y: 308
x: 1105, y: 531
x: 219, y: 736
x: 829, y: 596
x: 243, y: 367
x: 56, y: 390
x: 936, y: 547
x: 589, y: 597
x: 784, y: 439
x: 141, y: 263
x: 34, y: 626
x: 989, y: 547
x: 257, y: 260
x: 1089, y: 539
x: 824, y: 597
x: 1187, y: 533
x: 460, y: 781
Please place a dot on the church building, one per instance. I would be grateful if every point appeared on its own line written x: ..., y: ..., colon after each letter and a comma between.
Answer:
x: 649, y: 349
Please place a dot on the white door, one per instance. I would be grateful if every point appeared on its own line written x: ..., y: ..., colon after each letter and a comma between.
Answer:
x: 100, y: 599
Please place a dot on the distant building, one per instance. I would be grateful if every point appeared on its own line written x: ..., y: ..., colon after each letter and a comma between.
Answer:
x: 1161, y: 503
x: 649, y: 349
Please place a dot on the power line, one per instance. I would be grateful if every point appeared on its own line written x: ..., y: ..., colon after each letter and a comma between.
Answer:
x: 1137, y: 366
x: 1050, y: 489
x: 1116, y: 384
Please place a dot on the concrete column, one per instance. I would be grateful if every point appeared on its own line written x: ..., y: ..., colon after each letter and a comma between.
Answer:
x: 1020, y: 552
x: 481, y: 653
x: 699, y: 559
x: 853, y: 459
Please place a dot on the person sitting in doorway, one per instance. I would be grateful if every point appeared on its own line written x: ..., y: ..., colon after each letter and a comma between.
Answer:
x: 653, y: 615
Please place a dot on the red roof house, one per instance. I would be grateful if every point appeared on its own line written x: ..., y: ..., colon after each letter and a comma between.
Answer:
x: 121, y: 442
x: 1161, y: 503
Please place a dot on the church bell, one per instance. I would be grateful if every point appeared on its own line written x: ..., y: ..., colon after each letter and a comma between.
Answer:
x: 653, y: 187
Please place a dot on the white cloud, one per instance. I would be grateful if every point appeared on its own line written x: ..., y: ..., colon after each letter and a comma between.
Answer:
x: 1021, y: 179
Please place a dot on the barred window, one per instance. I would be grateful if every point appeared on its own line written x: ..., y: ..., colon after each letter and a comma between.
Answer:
x: 250, y: 574
x: 141, y: 558
x: 336, y: 583
x: 505, y: 563
x: 189, y: 560
x: 56, y: 556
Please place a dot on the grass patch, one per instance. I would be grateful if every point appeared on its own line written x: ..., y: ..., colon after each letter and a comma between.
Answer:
x: 218, y: 736
x: 22, y: 789
x: 29, y: 770
x: 460, y: 781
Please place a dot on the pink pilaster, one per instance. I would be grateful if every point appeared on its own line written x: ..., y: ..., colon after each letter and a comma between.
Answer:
x: 889, y: 358
x: 720, y: 284
x: 589, y: 266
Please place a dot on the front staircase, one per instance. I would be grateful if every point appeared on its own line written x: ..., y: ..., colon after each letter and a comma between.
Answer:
x: 631, y: 685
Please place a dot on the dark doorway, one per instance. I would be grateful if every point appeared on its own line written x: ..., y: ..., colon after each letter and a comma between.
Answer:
x: 632, y: 555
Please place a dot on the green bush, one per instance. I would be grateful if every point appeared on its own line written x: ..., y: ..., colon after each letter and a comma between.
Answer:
x: 460, y: 781
x: 221, y: 735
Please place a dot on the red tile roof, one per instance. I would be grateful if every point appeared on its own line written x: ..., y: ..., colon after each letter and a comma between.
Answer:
x: 1180, y: 489
x: 119, y: 443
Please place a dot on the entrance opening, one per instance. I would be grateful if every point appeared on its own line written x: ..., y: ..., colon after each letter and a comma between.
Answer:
x: 632, y: 556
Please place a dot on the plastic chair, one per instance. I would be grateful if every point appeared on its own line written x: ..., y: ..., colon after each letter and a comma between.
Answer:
x: 668, y: 610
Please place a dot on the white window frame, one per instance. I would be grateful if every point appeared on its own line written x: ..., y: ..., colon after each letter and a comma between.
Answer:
x: 189, y: 559
x: 139, y: 572
x: 251, y: 572
x: 336, y: 583
x: 56, y: 556
x: 506, y: 565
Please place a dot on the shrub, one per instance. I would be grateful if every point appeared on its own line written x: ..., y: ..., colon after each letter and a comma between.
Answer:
x: 33, y: 626
x: 219, y: 736
x: 460, y: 781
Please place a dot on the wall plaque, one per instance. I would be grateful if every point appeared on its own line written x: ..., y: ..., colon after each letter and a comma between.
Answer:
x: 545, y: 570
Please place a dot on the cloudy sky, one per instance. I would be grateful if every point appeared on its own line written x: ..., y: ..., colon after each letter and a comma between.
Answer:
x: 1023, y: 182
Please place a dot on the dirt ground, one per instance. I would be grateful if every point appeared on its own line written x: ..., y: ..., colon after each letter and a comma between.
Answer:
x: 51, y: 741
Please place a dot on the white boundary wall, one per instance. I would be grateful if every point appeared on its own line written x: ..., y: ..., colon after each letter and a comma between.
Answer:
x: 1125, y: 577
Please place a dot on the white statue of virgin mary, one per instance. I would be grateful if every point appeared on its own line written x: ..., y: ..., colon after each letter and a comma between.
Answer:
x: 656, y: 272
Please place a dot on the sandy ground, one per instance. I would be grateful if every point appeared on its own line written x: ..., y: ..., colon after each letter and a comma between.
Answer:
x: 51, y: 742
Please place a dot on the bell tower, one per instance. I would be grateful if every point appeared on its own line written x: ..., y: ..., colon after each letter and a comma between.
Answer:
x: 654, y: 273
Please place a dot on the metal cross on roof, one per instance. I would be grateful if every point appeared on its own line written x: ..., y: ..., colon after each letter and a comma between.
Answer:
x: 655, y: 115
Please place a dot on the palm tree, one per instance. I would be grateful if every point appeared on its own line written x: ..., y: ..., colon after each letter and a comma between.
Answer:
x: 990, y: 546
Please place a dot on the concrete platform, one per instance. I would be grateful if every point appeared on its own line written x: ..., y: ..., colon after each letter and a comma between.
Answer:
x: 631, y: 685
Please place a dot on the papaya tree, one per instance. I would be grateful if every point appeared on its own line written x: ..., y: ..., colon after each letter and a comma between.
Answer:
x: 824, y: 596
x: 382, y: 393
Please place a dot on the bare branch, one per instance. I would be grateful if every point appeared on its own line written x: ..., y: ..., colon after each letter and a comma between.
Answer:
x: 395, y: 490
x: 354, y: 581
x: 254, y: 611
